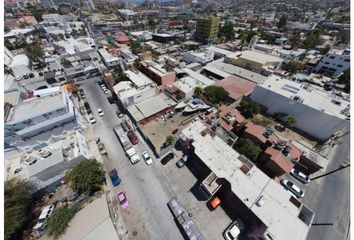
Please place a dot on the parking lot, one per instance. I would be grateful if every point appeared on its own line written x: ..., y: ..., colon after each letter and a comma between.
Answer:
x: 184, y: 183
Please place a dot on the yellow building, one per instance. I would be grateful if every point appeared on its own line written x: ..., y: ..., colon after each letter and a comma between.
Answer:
x: 207, y: 28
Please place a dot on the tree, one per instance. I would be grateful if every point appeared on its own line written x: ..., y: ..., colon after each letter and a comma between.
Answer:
x: 59, y: 221
x: 136, y: 63
x: 198, y: 91
x: 35, y: 51
x: 86, y: 177
x: 246, y: 147
x: 249, y: 108
x: 289, y: 121
x: 313, y: 39
x: 282, y: 21
x: 345, y: 79
x: 295, y: 39
x: 135, y: 46
x: 227, y: 31
x: 169, y: 139
x: 37, y: 14
x: 18, y: 205
x: 293, y: 67
x: 66, y: 63
x: 119, y: 75
x: 215, y: 94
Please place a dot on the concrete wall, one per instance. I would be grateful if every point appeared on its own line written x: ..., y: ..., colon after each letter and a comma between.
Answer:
x: 318, y: 124
x: 168, y: 78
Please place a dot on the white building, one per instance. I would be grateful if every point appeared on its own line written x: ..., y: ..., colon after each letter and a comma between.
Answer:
x: 279, y: 213
x: 198, y: 57
x: 46, y: 165
x: 108, y: 59
x: 136, y: 90
x: 37, y: 115
x: 334, y: 62
x: 317, y: 112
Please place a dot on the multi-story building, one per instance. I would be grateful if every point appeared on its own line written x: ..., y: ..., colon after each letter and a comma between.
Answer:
x: 38, y: 115
x: 207, y: 28
x: 199, y: 57
x: 269, y: 210
x: 157, y: 73
x: 334, y: 62
x: 108, y: 59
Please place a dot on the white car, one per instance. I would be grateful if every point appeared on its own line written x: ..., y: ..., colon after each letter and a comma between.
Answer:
x: 302, y: 177
x: 105, y: 91
x: 29, y: 160
x: 292, y: 188
x: 234, y: 230
x: 100, y: 112
x: 147, y: 158
x: 46, y: 212
x: 134, y: 159
x: 92, y: 120
x: 131, y: 151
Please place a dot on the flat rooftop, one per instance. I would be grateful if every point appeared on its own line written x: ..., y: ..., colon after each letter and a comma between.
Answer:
x: 258, y: 57
x: 308, y: 95
x: 107, y: 56
x: 277, y: 212
x: 187, y: 84
x: 150, y: 106
x: 199, y: 77
x: 238, y: 71
x: 35, y: 107
x: 155, y: 67
x: 139, y: 79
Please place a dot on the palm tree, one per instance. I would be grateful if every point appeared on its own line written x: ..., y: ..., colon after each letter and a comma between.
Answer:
x: 198, y: 91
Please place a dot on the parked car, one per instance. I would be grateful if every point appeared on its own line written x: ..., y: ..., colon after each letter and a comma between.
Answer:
x: 182, y: 161
x: 111, y: 100
x: 302, y: 177
x: 46, y: 212
x: 147, y: 158
x: 167, y: 158
x: 292, y: 188
x: 234, y: 230
x: 133, y: 138
x: 122, y: 198
x: 134, y: 159
x: 29, y: 160
x: 119, y: 113
x: 114, y: 177
x: 92, y: 120
x: 100, y: 112
x: 214, y: 202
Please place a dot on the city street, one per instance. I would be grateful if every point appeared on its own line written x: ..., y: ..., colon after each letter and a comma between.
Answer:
x: 329, y: 198
x: 148, y: 214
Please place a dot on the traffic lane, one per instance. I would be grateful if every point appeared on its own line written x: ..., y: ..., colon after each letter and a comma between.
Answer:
x: 331, y: 200
x: 143, y: 186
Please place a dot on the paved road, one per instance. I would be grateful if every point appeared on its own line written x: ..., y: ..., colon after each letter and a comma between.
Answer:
x: 331, y: 198
x: 148, y: 213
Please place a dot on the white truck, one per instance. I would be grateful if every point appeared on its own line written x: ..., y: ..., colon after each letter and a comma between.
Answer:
x: 133, y: 155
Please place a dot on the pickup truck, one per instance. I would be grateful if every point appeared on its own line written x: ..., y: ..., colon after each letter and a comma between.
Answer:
x: 133, y: 156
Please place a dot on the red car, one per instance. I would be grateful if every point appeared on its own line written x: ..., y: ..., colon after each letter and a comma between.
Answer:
x: 133, y: 138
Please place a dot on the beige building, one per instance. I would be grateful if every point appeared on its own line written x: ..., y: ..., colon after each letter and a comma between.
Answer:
x: 207, y: 28
x: 253, y: 60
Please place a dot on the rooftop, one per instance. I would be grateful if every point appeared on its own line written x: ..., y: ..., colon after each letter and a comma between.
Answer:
x: 258, y: 131
x: 307, y: 94
x: 138, y: 78
x: 107, y: 56
x: 239, y: 71
x: 237, y: 87
x: 35, y: 107
x: 199, y: 77
x: 150, y: 106
x: 277, y: 212
x: 259, y: 57
x: 92, y: 222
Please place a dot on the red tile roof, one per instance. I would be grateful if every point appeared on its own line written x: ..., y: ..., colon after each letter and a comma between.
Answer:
x: 257, y: 132
x: 237, y: 87
x: 278, y: 158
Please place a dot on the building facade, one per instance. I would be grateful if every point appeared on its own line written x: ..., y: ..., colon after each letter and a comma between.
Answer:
x: 334, y: 63
x: 207, y: 29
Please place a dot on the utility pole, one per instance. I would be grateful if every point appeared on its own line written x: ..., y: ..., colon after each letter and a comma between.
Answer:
x: 338, y: 169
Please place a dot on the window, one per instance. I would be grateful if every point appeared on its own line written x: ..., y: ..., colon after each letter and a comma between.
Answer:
x: 339, y: 65
x: 332, y: 57
x: 326, y: 63
x: 347, y: 60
